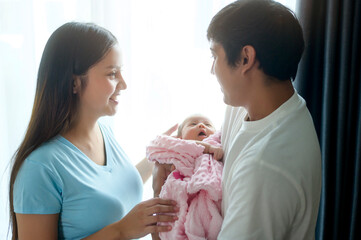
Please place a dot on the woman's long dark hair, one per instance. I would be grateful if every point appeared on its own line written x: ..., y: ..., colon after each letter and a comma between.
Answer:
x: 70, y: 51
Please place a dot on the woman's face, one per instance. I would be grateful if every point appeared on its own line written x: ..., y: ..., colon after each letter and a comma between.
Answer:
x: 104, y: 82
x: 197, y: 128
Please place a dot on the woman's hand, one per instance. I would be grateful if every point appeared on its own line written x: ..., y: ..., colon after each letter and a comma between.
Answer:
x: 143, y: 218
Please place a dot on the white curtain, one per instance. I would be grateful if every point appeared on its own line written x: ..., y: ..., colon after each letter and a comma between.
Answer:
x: 166, y: 66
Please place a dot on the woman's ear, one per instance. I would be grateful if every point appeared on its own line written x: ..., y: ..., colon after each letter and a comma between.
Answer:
x: 248, y: 58
x: 76, y: 84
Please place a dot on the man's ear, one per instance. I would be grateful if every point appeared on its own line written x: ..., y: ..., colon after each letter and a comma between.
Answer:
x: 76, y: 84
x: 248, y: 58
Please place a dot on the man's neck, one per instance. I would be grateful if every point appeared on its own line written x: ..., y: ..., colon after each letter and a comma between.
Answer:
x: 268, y: 98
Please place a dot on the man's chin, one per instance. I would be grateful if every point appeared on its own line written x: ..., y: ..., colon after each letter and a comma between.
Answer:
x: 226, y: 100
x: 231, y: 103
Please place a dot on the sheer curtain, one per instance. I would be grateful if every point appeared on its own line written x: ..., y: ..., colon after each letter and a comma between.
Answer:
x: 166, y: 66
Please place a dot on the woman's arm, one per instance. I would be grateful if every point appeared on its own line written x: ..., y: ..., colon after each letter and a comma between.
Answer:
x: 140, y: 221
x: 37, y: 226
x: 145, y: 169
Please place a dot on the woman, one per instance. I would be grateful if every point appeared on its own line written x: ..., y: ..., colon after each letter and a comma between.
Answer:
x: 70, y: 178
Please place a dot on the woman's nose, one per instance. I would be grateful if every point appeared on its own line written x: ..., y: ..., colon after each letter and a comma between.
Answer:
x: 121, y: 84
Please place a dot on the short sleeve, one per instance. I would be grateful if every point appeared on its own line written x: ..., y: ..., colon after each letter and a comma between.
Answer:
x: 263, y: 203
x: 36, y: 190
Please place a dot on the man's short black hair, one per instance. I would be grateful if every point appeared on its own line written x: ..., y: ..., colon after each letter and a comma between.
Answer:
x: 271, y: 28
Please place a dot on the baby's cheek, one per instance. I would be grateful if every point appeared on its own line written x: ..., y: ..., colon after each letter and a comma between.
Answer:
x: 212, y: 131
x: 189, y: 134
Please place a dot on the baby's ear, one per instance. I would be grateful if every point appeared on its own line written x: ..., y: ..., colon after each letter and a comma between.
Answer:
x: 76, y: 84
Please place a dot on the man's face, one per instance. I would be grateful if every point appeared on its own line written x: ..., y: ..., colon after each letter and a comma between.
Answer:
x: 229, y: 78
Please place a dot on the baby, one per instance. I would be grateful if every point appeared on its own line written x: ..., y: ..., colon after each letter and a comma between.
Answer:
x: 198, y: 127
x: 196, y: 181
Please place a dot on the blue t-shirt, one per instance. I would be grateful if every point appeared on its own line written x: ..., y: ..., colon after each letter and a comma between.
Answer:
x: 58, y: 178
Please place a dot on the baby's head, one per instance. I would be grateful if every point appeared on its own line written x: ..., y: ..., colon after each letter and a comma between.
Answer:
x: 196, y: 127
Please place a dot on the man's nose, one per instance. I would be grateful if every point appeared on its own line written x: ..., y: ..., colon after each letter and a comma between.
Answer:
x: 212, y: 69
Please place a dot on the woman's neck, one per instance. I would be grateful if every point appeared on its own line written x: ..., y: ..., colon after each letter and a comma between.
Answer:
x: 84, y: 128
x: 87, y: 137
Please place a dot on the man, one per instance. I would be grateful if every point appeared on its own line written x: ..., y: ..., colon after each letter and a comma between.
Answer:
x: 272, y: 162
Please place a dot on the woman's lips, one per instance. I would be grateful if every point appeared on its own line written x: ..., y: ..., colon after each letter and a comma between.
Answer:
x: 113, y: 100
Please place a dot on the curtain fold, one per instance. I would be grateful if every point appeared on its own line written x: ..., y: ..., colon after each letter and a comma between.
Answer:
x: 329, y: 77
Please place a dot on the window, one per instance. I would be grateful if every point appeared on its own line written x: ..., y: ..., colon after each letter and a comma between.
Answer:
x: 166, y: 66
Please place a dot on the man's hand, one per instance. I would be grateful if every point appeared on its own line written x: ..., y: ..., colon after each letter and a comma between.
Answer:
x: 216, y: 151
x: 160, y: 174
x: 161, y: 171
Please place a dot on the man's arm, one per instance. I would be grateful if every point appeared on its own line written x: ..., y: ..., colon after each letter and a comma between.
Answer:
x: 146, y: 168
x: 160, y: 174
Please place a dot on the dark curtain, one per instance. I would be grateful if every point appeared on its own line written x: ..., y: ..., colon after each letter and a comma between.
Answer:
x: 329, y: 77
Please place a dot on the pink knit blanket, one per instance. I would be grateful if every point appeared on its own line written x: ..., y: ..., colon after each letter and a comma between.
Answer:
x: 195, y: 184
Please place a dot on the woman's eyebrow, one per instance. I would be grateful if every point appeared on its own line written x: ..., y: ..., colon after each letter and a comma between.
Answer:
x: 113, y: 66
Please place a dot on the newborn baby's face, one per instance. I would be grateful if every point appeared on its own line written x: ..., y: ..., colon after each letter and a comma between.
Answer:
x: 197, y: 128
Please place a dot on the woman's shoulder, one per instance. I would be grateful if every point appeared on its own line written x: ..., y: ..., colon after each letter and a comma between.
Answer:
x: 105, y: 128
x: 42, y: 164
x: 47, y: 152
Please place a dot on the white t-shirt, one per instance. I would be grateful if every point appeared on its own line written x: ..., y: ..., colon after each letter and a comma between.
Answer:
x: 272, y: 174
